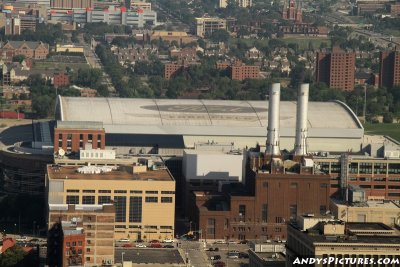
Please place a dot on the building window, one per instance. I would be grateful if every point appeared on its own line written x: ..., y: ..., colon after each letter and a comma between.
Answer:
x: 242, y: 211
x: 105, y: 191
x: 79, y: 243
x: 264, y: 213
x: 166, y: 199
x: 89, y: 191
x: 88, y: 200
x: 168, y: 192
x: 135, y: 209
x: 293, y: 212
x: 323, y: 185
x: 152, y: 199
x: 104, y: 200
x: 322, y: 209
x: 211, y: 226
x: 136, y: 192
x: 73, y: 200
x: 120, y: 209
x: 293, y: 185
x: 279, y: 220
x: 68, y: 244
x: 72, y: 190
x: 119, y: 191
x: 151, y: 192
x: 265, y: 184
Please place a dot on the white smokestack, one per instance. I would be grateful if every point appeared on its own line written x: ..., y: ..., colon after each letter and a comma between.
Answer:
x: 273, y: 120
x: 300, y: 145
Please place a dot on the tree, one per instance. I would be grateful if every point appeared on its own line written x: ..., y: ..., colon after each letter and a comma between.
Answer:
x: 18, y: 58
x: 388, y: 117
x: 220, y: 36
x: 13, y: 257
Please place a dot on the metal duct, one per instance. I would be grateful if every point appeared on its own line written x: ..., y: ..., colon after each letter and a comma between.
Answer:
x: 300, y: 145
x: 273, y: 120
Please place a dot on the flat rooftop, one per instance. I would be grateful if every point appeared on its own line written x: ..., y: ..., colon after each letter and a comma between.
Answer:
x: 122, y: 173
x: 149, y: 256
x: 369, y: 204
x: 368, y: 226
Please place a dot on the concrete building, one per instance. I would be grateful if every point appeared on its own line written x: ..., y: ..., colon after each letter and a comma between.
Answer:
x: 112, y: 15
x: 351, y: 242
x: 71, y: 48
x: 140, y: 5
x: 143, y: 195
x: 390, y: 68
x: 336, y: 69
x: 240, y: 3
x: 205, y: 26
x: 12, y: 26
x: 60, y: 79
x: 71, y: 4
x: 386, y: 212
x: 332, y: 125
x: 88, y: 223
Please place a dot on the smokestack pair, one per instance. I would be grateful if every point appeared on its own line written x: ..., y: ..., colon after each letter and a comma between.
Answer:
x: 300, y: 146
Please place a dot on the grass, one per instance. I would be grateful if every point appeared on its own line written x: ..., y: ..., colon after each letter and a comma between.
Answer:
x: 390, y: 129
x: 303, y: 42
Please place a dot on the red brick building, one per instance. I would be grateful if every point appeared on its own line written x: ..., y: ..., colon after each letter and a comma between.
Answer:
x: 32, y: 50
x: 173, y: 68
x: 239, y: 71
x: 292, y: 11
x: 60, y: 79
x: 336, y: 69
x: 262, y: 209
x: 72, y: 136
x: 390, y: 68
x: 73, y: 249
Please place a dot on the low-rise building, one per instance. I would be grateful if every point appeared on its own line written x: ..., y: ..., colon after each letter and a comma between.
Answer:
x: 348, y: 241
x: 205, y: 26
x: 29, y: 49
x: 71, y: 48
x: 238, y: 70
x: 60, y: 79
x: 170, y: 36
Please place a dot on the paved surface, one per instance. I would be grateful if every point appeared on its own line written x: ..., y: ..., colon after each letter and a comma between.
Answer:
x: 195, y: 253
x: 223, y: 252
x: 148, y: 255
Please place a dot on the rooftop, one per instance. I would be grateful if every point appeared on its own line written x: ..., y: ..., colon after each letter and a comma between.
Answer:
x: 149, y: 256
x: 383, y: 204
x: 206, y: 117
x: 122, y: 173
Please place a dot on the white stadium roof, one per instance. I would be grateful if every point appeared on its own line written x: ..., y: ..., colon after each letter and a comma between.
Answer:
x: 206, y: 117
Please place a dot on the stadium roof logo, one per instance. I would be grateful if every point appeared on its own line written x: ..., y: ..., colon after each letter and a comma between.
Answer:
x: 205, y: 108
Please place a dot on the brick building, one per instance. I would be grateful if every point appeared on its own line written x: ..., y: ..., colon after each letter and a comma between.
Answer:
x: 336, y: 69
x: 390, y: 68
x: 292, y: 11
x: 71, y: 136
x: 239, y: 71
x: 180, y: 37
x: 174, y: 68
x: 60, y: 79
x: 32, y: 50
x: 73, y: 246
x: 265, y: 206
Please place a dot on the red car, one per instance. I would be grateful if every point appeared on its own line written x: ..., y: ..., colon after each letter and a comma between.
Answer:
x: 154, y: 241
x: 155, y: 245
x: 127, y: 245
x: 219, y: 264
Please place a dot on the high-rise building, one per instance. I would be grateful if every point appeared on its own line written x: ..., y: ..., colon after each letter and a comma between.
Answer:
x: 13, y: 26
x: 336, y: 69
x: 390, y: 68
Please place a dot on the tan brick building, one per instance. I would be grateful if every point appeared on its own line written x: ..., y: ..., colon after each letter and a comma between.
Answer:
x: 239, y: 71
x: 144, y: 199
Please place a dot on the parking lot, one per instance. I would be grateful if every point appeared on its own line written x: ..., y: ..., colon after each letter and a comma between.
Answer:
x: 223, y: 250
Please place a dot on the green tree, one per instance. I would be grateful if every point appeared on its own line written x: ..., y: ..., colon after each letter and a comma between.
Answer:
x: 220, y: 36
x: 13, y: 257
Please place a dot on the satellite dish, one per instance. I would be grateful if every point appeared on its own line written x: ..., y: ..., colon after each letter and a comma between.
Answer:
x: 61, y: 152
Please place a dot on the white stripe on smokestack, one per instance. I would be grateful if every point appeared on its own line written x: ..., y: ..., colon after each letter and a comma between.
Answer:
x: 300, y: 145
x: 273, y: 120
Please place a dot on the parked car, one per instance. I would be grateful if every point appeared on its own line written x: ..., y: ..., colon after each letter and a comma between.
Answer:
x: 213, y: 249
x: 243, y: 242
x: 140, y: 245
x: 215, y: 257
x: 220, y: 242
x: 154, y: 241
x: 155, y: 245
x: 124, y: 240
x: 232, y: 242
x: 219, y: 264
x: 168, y: 241
x: 243, y: 255
x: 128, y: 245
x: 169, y: 246
x: 233, y: 255
x: 22, y: 239
x: 34, y: 240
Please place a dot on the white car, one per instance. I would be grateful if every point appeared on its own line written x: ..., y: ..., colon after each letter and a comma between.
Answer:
x: 22, y: 238
x: 168, y: 241
x: 124, y: 240
x: 140, y: 245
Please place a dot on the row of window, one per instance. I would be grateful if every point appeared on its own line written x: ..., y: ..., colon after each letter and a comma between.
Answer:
x: 120, y: 191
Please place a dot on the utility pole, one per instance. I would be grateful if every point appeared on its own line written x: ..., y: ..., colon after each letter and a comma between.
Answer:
x: 365, y: 104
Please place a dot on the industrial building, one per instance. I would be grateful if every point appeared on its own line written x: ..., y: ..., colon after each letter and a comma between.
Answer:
x: 167, y: 126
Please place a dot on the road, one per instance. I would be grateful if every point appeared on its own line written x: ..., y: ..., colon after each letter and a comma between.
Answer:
x: 195, y: 253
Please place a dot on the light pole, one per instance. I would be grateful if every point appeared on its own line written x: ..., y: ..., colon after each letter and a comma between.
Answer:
x: 190, y: 226
x: 122, y: 256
